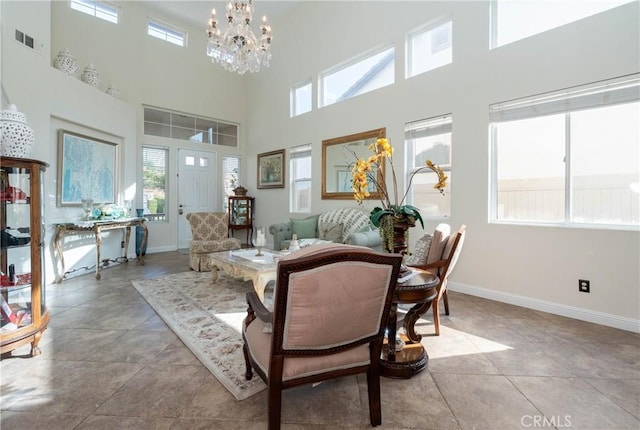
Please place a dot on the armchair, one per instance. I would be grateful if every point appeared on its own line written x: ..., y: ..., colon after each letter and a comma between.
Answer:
x: 330, y: 312
x: 442, y: 256
x: 209, y: 232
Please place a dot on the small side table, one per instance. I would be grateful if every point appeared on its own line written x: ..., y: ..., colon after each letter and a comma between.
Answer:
x: 413, y: 358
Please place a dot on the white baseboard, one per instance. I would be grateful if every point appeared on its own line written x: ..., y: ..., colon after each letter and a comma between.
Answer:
x: 157, y: 249
x: 550, y: 307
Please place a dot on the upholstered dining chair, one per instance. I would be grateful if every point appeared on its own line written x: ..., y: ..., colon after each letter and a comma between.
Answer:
x: 209, y: 231
x: 442, y: 254
x: 330, y: 310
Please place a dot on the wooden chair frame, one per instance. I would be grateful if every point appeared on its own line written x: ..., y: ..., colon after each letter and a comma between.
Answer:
x: 279, y: 354
x: 443, y: 268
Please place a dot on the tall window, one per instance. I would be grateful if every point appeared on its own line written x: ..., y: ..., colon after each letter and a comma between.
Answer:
x: 230, y: 177
x: 512, y: 20
x: 429, y: 139
x: 300, y: 166
x: 569, y: 157
x: 301, y: 99
x: 103, y: 10
x: 154, y: 182
x: 428, y: 48
x: 167, y: 32
x: 357, y: 77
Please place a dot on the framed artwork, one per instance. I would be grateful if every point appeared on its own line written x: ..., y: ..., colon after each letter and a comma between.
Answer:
x: 87, y: 169
x: 271, y: 169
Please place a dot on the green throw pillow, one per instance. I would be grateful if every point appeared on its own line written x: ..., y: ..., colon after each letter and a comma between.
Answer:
x: 306, y: 228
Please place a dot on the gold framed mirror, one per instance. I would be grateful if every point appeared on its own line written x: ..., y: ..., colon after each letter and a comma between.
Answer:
x: 338, y: 156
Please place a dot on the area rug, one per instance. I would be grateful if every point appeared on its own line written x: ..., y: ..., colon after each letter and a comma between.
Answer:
x: 208, y: 319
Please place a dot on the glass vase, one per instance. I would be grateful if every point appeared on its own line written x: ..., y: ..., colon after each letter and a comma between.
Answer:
x: 87, y: 205
x: 259, y: 240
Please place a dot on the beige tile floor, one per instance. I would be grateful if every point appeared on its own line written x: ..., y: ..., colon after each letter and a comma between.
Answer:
x: 109, y: 362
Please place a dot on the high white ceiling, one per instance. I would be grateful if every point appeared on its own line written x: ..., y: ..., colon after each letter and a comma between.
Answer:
x: 198, y: 12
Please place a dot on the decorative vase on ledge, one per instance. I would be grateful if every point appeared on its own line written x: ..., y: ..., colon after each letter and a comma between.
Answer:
x: 91, y: 76
x: 65, y: 62
x: 113, y: 91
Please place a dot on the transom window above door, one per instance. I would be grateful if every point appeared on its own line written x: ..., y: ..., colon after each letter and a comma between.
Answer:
x: 189, y: 127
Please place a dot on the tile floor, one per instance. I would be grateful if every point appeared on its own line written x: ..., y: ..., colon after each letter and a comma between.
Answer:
x: 109, y: 362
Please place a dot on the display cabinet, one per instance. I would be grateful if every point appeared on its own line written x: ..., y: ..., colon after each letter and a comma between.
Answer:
x: 241, y: 213
x: 24, y: 312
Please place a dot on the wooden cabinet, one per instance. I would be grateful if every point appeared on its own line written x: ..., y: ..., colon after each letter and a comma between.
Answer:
x: 24, y: 313
x: 241, y: 214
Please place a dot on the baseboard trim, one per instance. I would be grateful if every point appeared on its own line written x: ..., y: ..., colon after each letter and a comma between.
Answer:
x: 157, y: 249
x: 601, y: 318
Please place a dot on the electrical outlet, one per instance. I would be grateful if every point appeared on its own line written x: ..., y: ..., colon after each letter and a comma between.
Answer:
x: 584, y: 286
x: 122, y: 244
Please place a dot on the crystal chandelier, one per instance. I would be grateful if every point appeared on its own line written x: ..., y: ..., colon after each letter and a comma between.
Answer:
x: 238, y: 49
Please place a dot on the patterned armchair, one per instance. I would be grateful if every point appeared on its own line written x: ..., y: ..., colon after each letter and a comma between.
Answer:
x: 209, y: 232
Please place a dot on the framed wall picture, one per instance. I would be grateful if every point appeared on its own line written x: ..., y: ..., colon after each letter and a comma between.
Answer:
x: 87, y: 169
x: 271, y: 169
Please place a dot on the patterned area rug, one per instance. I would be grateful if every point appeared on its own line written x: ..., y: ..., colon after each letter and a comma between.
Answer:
x: 208, y: 319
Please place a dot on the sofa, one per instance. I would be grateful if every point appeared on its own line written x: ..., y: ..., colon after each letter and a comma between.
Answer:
x: 346, y: 225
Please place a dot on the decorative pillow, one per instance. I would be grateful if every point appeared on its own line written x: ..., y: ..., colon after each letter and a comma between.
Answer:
x: 438, y: 243
x: 365, y: 227
x: 305, y: 228
x: 330, y: 231
x: 420, y: 251
x: 352, y: 219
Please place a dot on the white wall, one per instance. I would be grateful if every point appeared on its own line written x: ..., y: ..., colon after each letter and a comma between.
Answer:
x: 533, y: 266
x: 146, y: 70
x: 153, y: 72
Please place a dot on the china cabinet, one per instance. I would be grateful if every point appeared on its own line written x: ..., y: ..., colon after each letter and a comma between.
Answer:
x: 24, y: 312
x: 241, y: 213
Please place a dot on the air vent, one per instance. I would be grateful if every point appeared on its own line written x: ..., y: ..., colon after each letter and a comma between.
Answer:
x: 26, y: 40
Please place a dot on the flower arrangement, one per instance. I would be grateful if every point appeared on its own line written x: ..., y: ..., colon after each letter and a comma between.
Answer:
x: 393, y: 210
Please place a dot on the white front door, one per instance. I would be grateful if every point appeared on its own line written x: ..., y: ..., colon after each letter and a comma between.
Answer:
x: 196, y: 188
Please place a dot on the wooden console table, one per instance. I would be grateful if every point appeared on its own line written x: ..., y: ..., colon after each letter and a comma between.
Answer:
x: 421, y: 290
x: 96, y: 227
